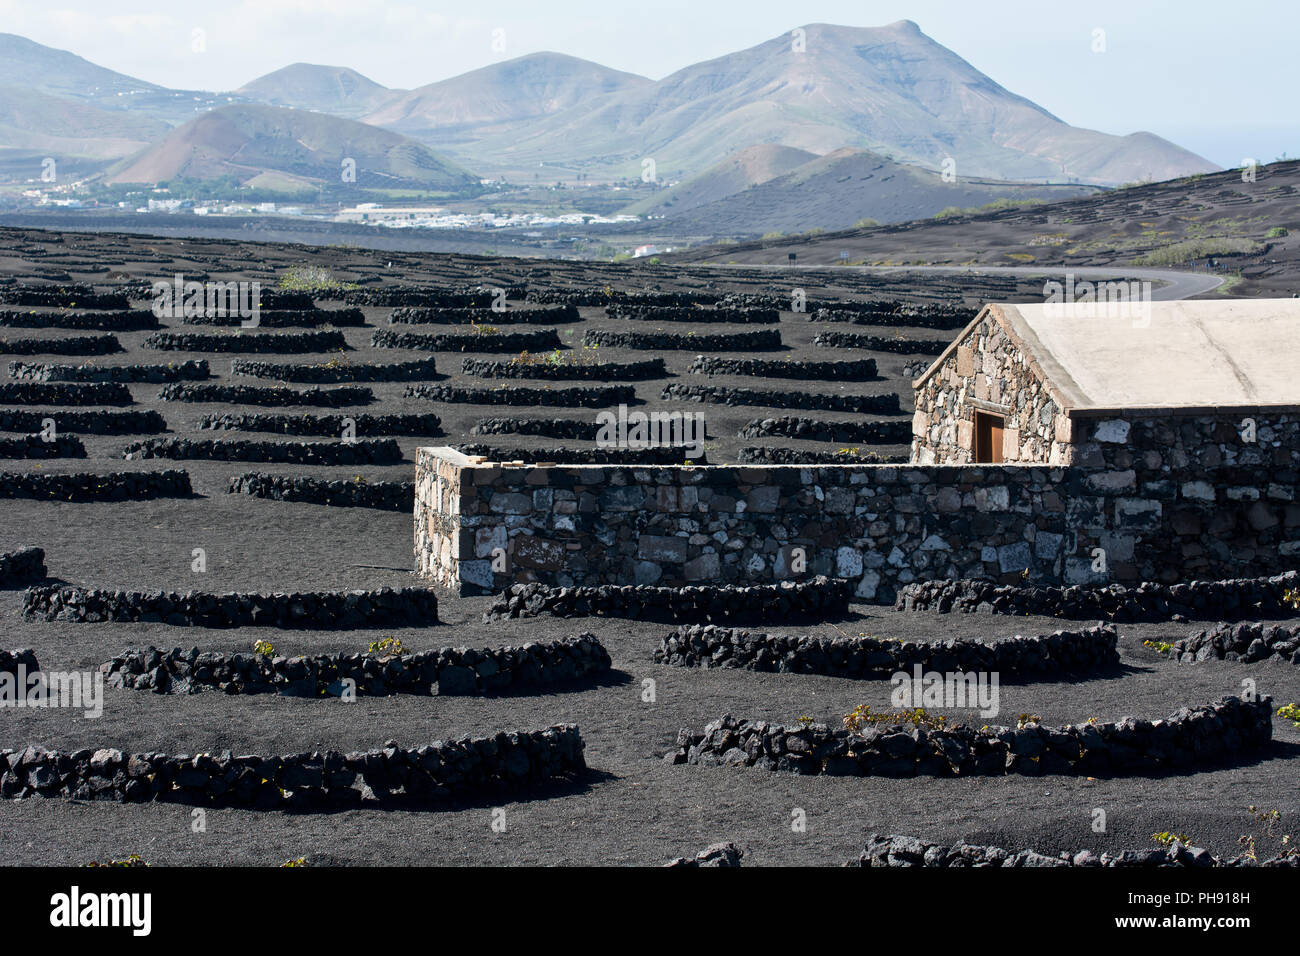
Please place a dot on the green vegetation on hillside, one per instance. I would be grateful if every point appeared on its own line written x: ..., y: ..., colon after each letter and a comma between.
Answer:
x: 1188, y: 250
x: 995, y: 206
x: 312, y: 279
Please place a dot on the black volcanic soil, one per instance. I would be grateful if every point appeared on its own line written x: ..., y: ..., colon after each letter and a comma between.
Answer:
x: 33, y: 255
x: 1111, y: 229
x: 632, y: 808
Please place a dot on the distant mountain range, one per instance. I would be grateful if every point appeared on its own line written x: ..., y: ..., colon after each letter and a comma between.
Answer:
x: 829, y: 124
x: 768, y: 189
x: 495, y: 99
x: 337, y: 90
x: 27, y: 65
x: 889, y: 89
x: 42, y: 122
x: 278, y: 148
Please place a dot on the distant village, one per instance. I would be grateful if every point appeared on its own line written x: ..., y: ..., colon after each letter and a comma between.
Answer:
x: 76, y: 196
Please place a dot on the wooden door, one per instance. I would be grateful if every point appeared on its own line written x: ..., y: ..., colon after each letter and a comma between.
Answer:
x: 988, y: 438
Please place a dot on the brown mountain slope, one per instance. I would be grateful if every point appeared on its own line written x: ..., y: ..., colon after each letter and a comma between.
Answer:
x: 33, y: 65
x: 530, y: 86
x: 249, y: 141
x: 28, y: 65
x: 62, y: 126
x: 889, y: 89
x: 837, y: 190
x: 327, y: 89
x: 740, y: 171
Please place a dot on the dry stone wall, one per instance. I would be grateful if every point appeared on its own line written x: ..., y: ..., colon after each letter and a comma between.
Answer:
x: 1230, y: 599
x: 334, y: 371
x: 38, y: 446
x: 22, y: 566
x: 72, y: 345
x: 45, y: 372
x: 385, y: 607
x: 588, y: 396
x: 1228, y: 730
x: 369, y: 451
x: 895, y: 850
x: 383, y: 495
x: 116, y: 486
x: 866, y: 658
x: 64, y: 393
x: 281, y: 396
x: 89, y: 421
x: 1164, y: 494
x: 481, y: 527
x: 1177, y: 497
x: 878, y: 526
x: 102, y: 321
x: 1246, y: 642
x: 286, y: 342
x: 445, y: 672
x: 434, y: 773
x: 814, y: 600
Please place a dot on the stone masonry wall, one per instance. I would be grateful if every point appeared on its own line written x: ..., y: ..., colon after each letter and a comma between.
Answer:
x: 480, y: 528
x: 1156, y: 494
x: 1175, y: 497
x: 988, y: 372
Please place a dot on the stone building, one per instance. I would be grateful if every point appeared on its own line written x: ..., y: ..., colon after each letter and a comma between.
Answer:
x: 1058, y: 444
x: 1047, y: 383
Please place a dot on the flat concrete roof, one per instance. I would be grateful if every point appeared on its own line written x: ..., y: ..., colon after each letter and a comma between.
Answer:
x: 1229, y: 353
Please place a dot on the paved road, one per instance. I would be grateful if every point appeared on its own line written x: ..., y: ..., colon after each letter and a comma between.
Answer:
x: 1176, y: 284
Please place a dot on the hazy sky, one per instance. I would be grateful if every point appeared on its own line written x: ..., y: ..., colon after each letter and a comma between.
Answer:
x: 1218, y: 78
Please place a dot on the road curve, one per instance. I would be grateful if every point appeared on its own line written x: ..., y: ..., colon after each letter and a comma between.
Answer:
x: 1176, y: 284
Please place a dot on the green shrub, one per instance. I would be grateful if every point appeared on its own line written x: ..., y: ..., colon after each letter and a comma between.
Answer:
x: 389, y: 645
x: 311, y: 279
x: 1178, y: 253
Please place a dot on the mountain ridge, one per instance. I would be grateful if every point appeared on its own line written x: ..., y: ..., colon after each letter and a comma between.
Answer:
x: 840, y: 189
x: 248, y: 141
x: 888, y: 89
x: 337, y: 90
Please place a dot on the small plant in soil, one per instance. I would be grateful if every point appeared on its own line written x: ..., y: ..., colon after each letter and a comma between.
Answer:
x: 312, y: 279
x: 862, y: 717
x: 1284, y: 846
x: 132, y: 860
x: 388, y: 646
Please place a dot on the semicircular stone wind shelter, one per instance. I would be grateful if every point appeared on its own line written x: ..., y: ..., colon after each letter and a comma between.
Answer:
x: 1076, y: 443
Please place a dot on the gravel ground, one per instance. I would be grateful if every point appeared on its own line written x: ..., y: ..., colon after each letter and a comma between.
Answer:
x: 631, y: 808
